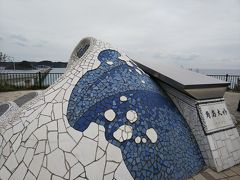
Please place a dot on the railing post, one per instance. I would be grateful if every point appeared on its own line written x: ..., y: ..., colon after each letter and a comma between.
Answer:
x: 226, y: 77
x: 40, y: 79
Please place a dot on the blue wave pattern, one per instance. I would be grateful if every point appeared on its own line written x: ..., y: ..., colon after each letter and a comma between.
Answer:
x: 175, y: 155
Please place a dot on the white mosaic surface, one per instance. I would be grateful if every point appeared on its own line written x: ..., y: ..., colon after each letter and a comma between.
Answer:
x: 220, y: 150
x: 37, y: 142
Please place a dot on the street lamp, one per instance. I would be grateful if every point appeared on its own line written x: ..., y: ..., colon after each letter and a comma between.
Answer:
x: 12, y: 59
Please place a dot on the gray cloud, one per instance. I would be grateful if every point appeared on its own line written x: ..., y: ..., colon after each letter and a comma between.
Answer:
x: 20, y: 44
x: 18, y: 37
x: 190, y: 33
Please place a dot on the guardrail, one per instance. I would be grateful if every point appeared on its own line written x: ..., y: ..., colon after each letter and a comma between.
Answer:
x: 21, y: 81
x: 234, y: 80
x: 17, y: 81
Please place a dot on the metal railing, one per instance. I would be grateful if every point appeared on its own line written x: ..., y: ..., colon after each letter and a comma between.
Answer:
x: 234, y: 80
x: 20, y: 81
x: 17, y: 81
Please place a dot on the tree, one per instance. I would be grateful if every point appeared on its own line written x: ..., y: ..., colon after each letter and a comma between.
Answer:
x: 4, y: 57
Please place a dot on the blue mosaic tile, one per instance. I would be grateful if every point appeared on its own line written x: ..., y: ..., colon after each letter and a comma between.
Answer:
x: 175, y: 155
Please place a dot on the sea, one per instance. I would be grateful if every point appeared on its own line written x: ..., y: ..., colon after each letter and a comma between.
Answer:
x: 217, y: 71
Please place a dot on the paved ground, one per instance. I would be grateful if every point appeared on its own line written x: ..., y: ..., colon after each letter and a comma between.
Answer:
x: 13, y: 95
x: 208, y: 174
x: 231, y: 99
x: 3, y: 108
x: 25, y: 98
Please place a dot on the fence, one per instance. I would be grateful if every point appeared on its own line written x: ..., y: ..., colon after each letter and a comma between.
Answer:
x: 15, y: 81
x: 232, y: 79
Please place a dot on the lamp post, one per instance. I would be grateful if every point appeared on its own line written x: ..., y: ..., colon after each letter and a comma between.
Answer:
x: 12, y: 59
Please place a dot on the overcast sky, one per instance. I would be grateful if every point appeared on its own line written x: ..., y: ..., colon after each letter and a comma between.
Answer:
x: 191, y: 33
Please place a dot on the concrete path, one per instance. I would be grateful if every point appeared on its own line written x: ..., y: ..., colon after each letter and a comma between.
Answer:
x: 13, y: 95
x: 208, y: 174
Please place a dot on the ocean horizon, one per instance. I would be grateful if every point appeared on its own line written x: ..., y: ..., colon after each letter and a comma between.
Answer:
x: 218, y: 71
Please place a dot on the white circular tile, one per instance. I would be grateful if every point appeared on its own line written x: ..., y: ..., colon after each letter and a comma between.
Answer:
x: 152, y: 135
x: 109, y: 62
x: 144, y: 140
x: 110, y: 115
x: 132, y: 116
x: 123, y: 98
x: 137, y: 140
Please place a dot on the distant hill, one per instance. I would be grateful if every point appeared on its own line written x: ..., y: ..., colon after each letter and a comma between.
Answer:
x: 30, y: 65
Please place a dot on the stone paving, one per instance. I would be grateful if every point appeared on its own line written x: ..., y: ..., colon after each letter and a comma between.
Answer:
x: 208, y: 174
x: 13, y: 95
x: 25, y: 98
x: 232, y: 100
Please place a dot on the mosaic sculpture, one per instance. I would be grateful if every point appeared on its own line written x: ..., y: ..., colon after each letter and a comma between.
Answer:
x: 103, y: 119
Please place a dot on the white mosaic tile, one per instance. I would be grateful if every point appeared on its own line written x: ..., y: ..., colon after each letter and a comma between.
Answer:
x: 110, y: 115
x: 52, y: 126
x: 36, y: 163
x: 85, y: 151
x: 40, y: 147
x: 7, y: 149
x: 76, y: 135
x: 29, y: 176
x: 152, y: 135
x: 109, y: 176
x: 95, y: 170
x: 17, y: 128
x: 61, y: 126
x: 17, y: 142
x: 76, y: 171
x: 100, y: 153
x: 137, y: 140
x: 28, y: 156
x: 44, y: 174
x: 92, y: 131
x: 66, y: 142
x: 11, y: 162
x: 29, y: 130
x: 20, y: 153
x: 43, y: 120
x: 56, y: 163
x: 123, y: 98
x: 132, y: 116
x: 51, y: 96
x: 41, y: 133
x: 57, y: 109
x: 53, y: 140
x: 123, y: 133
x: 31, y: 142
x: 102, y: 142
x: 113, y: 153
x: 110, y: 167
x: 4, y: 173
x: 47, y: 110
x: 20, y: 172
x: 122, y: 172
x: 70, y: 159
